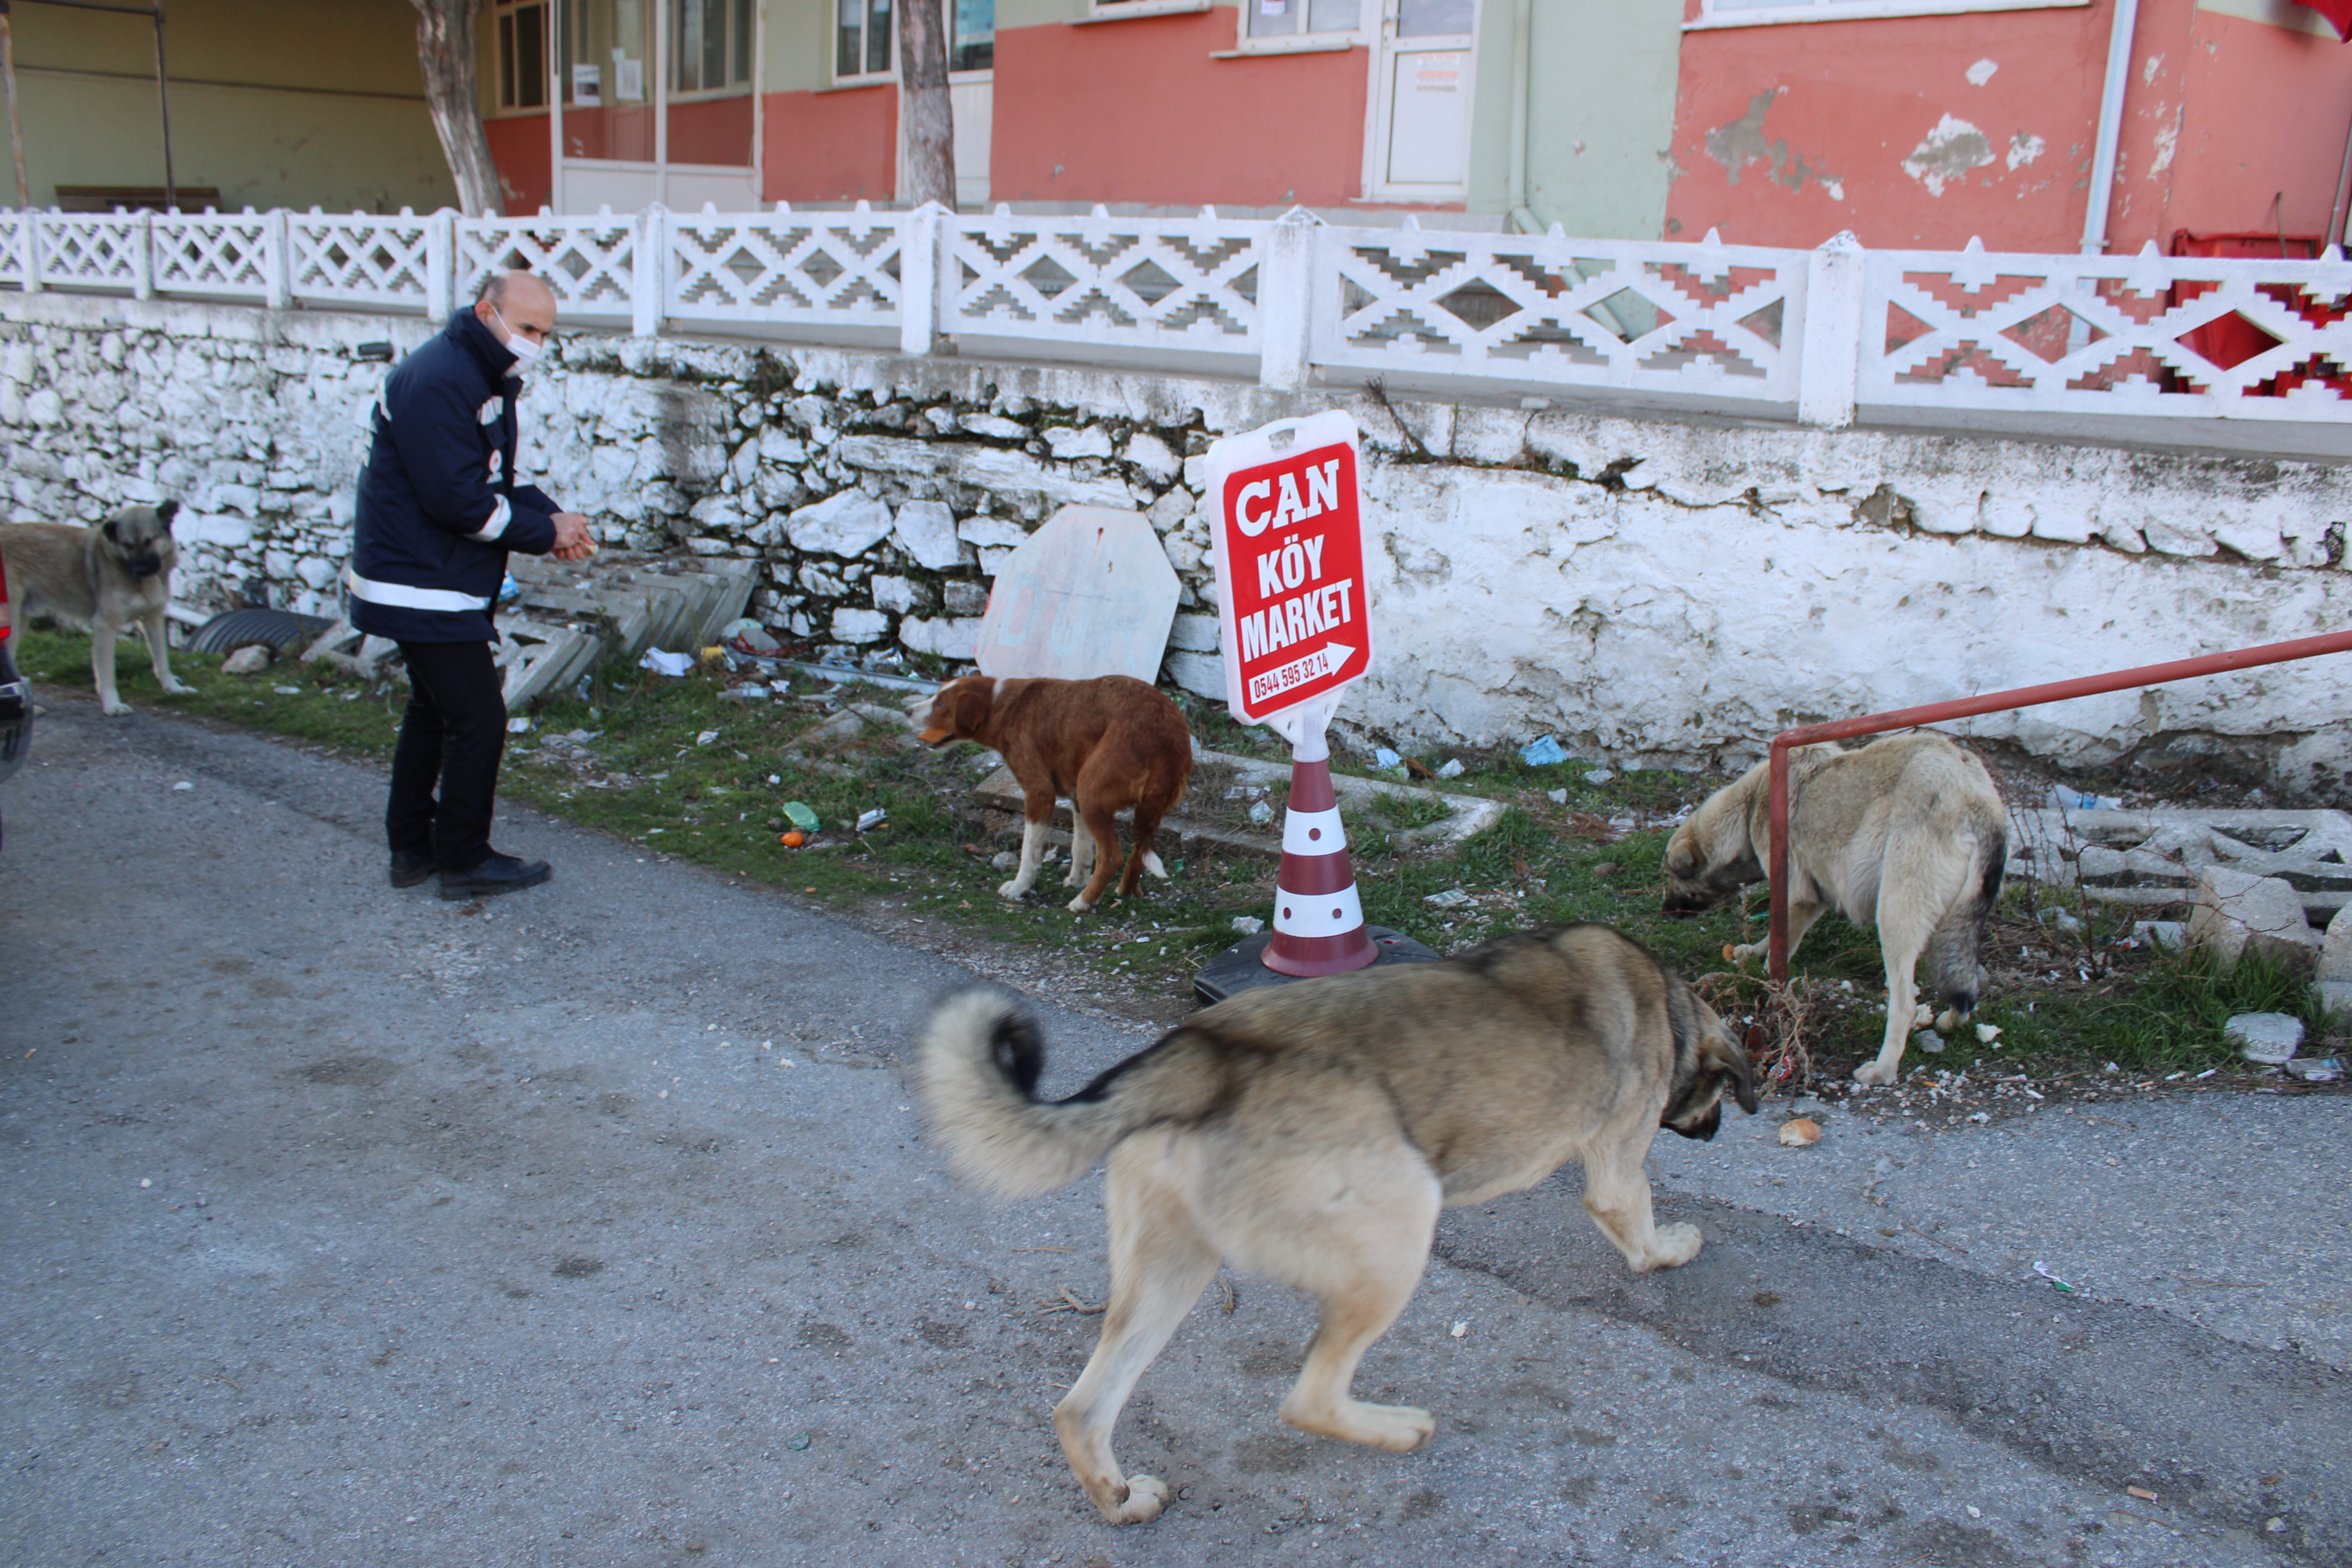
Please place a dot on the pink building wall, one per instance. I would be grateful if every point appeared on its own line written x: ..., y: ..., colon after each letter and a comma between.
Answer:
x: 1925, y: 131
x: 1136, y: 111
x: 834, y: 146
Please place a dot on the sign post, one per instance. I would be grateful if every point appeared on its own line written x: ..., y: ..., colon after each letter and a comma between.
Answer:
x: 1291, y: 600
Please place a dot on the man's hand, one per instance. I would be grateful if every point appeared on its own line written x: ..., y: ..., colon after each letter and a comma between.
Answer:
x: 572, y: 540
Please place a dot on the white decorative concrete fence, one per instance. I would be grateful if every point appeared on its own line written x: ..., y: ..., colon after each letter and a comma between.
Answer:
x: 2144, y: 347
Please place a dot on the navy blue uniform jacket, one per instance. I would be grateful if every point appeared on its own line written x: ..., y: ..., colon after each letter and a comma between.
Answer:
x: 438, y: 508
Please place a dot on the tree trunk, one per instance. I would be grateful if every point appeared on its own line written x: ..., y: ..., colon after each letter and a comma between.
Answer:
x: 923, y: 103
x: 445, y: 31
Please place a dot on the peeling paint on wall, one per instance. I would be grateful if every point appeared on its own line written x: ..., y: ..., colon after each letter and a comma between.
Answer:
x: 2168, y: 143
x: 2024, y: 148
x: 1946, y: 153
x: 1981, y: 72
x: 1741, y: 142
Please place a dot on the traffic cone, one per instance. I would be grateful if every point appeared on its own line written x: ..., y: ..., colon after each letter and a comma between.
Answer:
x: 1318, y: 922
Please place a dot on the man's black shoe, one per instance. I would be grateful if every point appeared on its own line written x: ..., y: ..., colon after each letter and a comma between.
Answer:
x: 410, y: 867
x: 497, y: 874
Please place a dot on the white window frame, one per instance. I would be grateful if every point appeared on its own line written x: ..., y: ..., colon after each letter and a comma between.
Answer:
x: 1789, y: 11
x: 889, y: 74
x: 1128, y: 10
x: 1328, y: 41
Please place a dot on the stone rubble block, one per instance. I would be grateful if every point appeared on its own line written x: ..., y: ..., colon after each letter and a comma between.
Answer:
x: 969, y: 599
x: 955, y: 638
x: 859, y: 626
x: 926, y: 529
x: 1194, y: 634
x: 1157, y: 460
x: 2268, y: 1038
x: 2336, y: 949
x: 992, y: 531
x: 896, y: 593
x: 1066, y: 443
x: 847, y: 525
x: 2233, y: 910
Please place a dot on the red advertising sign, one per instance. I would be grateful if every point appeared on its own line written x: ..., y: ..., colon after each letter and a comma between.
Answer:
x: 1289, y: 545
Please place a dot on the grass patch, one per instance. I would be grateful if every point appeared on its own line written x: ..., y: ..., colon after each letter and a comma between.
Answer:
x: 671, y: 766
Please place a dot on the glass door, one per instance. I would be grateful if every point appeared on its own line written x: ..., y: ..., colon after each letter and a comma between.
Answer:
x: 1420, y: 135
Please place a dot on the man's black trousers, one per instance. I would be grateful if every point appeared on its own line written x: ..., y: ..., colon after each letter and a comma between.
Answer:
x: 445, y: 770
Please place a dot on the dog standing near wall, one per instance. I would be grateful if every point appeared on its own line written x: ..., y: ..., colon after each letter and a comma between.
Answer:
x: 104, y: 578
x: 1105, y: 745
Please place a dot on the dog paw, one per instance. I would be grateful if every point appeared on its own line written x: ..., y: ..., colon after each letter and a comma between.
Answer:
x: 1673, y: 1245
x: 1146, y: 1496
x: 1743, y: 952
x: 117, y: 709
x: 1399, y: 1428
x: 1013, y: 890
x: 1871, y: 1072
x: 178, y: 687
x: 1081, y: 905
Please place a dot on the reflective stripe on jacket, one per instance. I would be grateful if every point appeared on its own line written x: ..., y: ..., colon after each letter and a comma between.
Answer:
x: 438, y: 509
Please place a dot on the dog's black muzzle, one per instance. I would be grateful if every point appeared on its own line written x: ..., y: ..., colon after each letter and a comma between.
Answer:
x: 1704, y: 1128
x: 1682, y: 906
x: 143, y: 563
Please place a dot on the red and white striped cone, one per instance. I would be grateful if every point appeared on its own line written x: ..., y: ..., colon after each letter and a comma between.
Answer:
x: 1318, y: 922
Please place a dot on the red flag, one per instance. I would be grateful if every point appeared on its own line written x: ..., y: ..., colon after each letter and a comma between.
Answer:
x: 2338, y: 14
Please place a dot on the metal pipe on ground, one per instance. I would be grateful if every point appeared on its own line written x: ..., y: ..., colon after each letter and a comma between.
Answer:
x: 1993, y: 702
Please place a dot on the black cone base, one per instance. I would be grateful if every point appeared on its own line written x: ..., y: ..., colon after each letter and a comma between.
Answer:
x: 1241, y: 966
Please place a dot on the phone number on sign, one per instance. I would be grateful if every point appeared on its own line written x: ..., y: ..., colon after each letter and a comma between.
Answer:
x: 1275, y: 682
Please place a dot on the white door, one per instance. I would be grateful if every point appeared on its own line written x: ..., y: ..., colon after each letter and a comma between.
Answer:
x: 1418, y: 144
x: 971, y: 100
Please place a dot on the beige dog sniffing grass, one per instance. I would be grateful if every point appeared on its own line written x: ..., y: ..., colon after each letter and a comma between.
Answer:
x: 1907, y: 834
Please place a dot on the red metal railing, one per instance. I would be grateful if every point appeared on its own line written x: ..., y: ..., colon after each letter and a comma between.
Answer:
x: 1993, y: 702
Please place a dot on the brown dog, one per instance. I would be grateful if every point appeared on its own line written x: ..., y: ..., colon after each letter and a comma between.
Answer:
x: 1105, y: 745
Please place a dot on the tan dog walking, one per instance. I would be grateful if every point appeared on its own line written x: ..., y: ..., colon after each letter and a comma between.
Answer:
x: 1312, y: 1131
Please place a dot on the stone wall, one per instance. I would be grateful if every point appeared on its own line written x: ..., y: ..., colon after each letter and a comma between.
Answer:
x: 1648, y: 590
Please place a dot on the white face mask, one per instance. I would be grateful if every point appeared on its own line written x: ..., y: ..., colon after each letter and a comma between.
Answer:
x: 525, y: 351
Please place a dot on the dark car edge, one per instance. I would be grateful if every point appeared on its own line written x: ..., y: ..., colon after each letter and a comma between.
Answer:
x: 15, y: 692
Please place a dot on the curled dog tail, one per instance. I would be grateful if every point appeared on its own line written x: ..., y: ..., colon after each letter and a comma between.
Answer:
x: 1953, y: 945
x: 980, y: 1061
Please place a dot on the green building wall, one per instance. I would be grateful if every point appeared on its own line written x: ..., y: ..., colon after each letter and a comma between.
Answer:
x: 274, y: 103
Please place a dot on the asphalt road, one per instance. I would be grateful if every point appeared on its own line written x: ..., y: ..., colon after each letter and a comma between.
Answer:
x: 592, y: 1225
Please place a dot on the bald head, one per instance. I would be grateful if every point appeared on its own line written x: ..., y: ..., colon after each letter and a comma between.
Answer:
x: 517, y: 304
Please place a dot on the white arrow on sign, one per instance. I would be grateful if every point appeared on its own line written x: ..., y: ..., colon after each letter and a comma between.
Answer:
x: 1313, y: 666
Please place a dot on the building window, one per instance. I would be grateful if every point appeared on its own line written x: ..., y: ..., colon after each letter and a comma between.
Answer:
x: 972, y: 43
x: 1298, y: 19
x: 865, y: 39
x: 861, y: 43
x: 710, y: 44
x: 1759, y: 13
x: 522, y: 53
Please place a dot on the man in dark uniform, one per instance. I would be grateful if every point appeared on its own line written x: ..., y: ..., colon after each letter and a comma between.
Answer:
x: 438, y: 510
